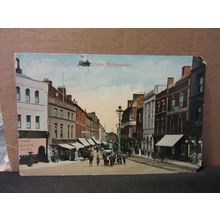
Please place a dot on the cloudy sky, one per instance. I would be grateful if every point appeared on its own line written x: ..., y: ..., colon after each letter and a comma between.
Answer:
x: 110, y: 80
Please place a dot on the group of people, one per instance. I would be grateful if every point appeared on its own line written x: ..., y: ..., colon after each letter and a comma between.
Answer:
x: 108, y: 159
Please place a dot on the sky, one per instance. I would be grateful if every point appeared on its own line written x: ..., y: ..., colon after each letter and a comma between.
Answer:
x: 109, y: 81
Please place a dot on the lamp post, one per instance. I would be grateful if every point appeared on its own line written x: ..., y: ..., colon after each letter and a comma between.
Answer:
x: 119, y: 112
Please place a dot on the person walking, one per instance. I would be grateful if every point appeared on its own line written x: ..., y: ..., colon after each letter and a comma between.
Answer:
x: 124, y: 158
x: 91, y: 156
x: 97, y: 159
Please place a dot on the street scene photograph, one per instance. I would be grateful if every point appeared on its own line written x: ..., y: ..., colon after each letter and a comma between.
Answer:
x: 97, y: 114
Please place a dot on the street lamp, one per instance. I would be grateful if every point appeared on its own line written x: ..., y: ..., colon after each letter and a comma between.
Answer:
x: 119, y: 112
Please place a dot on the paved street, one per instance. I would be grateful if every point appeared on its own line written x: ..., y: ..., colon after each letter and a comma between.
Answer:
x: 82, y: 168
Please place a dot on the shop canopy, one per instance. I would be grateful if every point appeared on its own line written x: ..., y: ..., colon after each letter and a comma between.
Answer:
x: 91, y: 142
x: 169, y: 140
x: 96, y: 141
x: 67, y: 146
x: 105, y: 143
x: 77, y: 145
x: 84, y: 142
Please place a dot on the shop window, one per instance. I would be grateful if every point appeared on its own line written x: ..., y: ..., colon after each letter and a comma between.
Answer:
x: 27, y: 95
x: 18, y: 93
x: 28, y: 121
x: 37, y: 97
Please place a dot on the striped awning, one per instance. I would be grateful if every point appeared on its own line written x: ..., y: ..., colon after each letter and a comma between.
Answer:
x: 169, y: 140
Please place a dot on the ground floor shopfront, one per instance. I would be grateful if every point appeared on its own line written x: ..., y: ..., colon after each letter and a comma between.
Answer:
x: 33, y: 147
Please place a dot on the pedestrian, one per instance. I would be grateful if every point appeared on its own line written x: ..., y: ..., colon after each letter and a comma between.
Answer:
x: 91, y: 158
x: 124, y: 158
x: 97, y: 159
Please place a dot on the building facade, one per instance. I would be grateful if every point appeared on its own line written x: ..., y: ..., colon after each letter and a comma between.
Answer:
x: 149, y: 119
x: 81, y: 121
x: 32, y: 109
x: 61, y: 115
x: 196, y: 102
x: 129, y: 118
x: 95, y: 126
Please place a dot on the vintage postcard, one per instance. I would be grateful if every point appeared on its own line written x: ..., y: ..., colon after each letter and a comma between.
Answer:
x: 4, y: 160
x: 97, y: 114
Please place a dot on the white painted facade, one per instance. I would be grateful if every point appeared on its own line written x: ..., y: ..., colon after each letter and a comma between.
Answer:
x: 35, y: 107
x: 149, y: 118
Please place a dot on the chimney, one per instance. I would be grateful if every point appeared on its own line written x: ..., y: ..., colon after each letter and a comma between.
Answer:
x: 170, y: 80
x: 62, y: 89
x: 186, y: 70
x: 69, y: 97
x: 48, y: 81
x: 18, y: 69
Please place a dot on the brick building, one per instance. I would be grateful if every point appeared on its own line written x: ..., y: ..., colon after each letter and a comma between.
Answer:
x: 94, y: 125
x: 61, y: 115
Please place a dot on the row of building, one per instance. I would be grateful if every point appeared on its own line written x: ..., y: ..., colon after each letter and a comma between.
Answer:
x: 168, y: 119
x: 48, y: 115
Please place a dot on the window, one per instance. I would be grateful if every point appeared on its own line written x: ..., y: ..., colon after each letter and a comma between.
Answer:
x: 61, y: 113
x: 68, y: 131
x: 131, y: 132
x: 27, y: 95
x: 37, y: 122
x: 55, y: 112
x: 181, y: 99
x: 201, y: 84
x: 61, y: 130
x: 28, y: 121
x: 131, y: 116
x: 69, y: 115
x: 18, y: 93
x: 180, y: 125
x: 173, y: 103
x: 158, y: 107
x: 199, y: 115
x: 55, y: 129
x: 71, y: 131
x: 37, y: 97
x: 19, y: 121
x: 163, y: 105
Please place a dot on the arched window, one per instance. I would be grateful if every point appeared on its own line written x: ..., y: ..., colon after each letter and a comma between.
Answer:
x: 27, y: 95
x: 37, y: 97
x: 18, y: 93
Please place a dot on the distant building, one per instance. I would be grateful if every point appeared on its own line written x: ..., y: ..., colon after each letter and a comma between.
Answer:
x: 32, y: 109
x: 95, y: 125
x: 149, y: 119
x: 111, y: 136
x: 81, y: 121
x: 129, y: 118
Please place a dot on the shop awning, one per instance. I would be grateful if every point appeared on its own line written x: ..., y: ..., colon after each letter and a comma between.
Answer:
x: 91, y: 142
x: 96, y: 141
x: 77, y: 145
x: 67, y: 146
x: 84, y: 142
x: 169, y: 140
x: 105, y: 143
